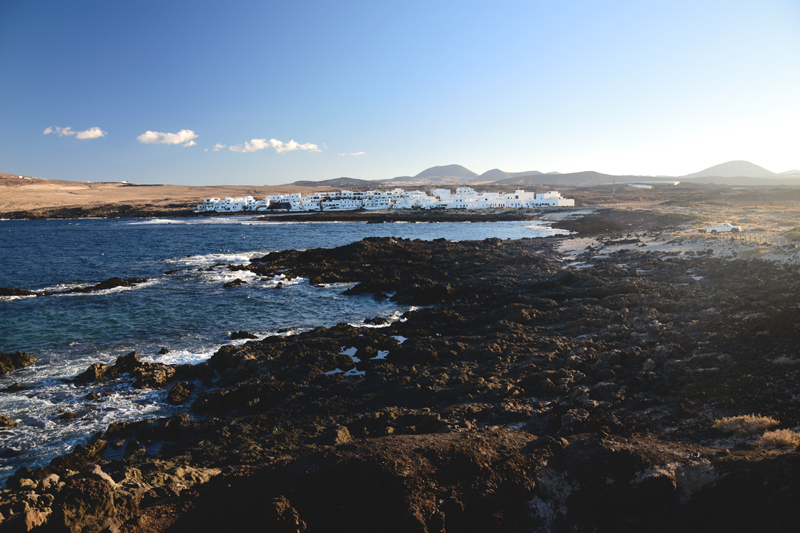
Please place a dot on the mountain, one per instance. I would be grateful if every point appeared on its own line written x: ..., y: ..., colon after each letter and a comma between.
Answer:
x: 578, y: 179
x: 447, y: 171
x: 734, y: 169
x: 337, y: 182
x: 442, y: 174
x: 496, y: 175
x: 790, y: 174
x: 450, y: 172
x: 527, y: 173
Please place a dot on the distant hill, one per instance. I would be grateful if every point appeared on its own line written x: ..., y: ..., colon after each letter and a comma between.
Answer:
x: 447, y: 171
x: 741, y: 173
x: 579, y: 179
x: 496, y: 175
x: 338, y: 182
x: 734, y: 169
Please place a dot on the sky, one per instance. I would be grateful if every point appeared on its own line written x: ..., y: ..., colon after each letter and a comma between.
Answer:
x: 264, y: 92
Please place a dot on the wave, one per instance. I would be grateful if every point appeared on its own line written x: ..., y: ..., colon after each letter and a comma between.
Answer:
x: 149, y: 283
x: 60, y: 290
x: 157, y: 221
x: 206, y: 260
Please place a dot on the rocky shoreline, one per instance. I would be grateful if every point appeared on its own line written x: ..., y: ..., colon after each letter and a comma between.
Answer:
x: 531, y: 391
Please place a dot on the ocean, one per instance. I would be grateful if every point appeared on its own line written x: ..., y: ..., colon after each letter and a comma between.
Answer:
x: 188, y: 312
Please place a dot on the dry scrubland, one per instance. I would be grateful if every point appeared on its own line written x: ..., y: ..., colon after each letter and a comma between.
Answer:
x: 637, y: 375
x: 40, y: 198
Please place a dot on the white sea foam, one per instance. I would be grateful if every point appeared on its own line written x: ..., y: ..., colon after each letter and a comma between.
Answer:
x: 236, y: 220
x: 12, y: 298
x: 157, y: 221
x: 544, y: 229
x: 185, y: 356
x: 342, y: 285
x: 226, y: 276
x: 213, y: 259
x: 392, y: 318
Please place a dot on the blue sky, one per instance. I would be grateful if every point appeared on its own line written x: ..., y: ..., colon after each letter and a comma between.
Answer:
x: 264, y: 92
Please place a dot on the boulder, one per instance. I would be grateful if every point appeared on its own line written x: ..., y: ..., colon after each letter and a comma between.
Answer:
x: 10, y: 291
x: 236, y: 335
x: 180, y: 392
x: 13, y: 361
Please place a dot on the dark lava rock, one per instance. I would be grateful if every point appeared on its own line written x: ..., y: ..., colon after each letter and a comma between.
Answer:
x: 68, y: 415
x: 110, y: 283
x: 378, y: 321
x: 242, y: 335
x: 179, y: 393
x: 455, y: 482
x: 6, y: 422
x: 13, y: 361
x: 235, y: 283
x: 10, y: 291
x: 148, y: 375
x: 531, y: 397
x: 163, y: 351
x: 16, y: 387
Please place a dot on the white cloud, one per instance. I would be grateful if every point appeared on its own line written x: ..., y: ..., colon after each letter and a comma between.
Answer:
x: 91, y: 133
x: 251, y: 146
x: 184, y: 137
x: 280, y: 147
x: 61, y: 131
x: 355, y: 154
x: 217, y: 147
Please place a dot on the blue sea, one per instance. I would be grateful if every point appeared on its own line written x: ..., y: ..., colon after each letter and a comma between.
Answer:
x: 189, y: 312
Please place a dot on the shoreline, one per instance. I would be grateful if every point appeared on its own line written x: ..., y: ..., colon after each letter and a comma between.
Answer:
x: 538, y: 370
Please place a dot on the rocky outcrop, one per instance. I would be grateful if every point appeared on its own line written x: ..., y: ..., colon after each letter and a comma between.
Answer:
x: 147, y: 375
x: 110, y: 283
x: 233, y: 284
x: 13, y: 361
x: 180, y: 392
x: 529, y: 396
x: 236, y: 335
x: 10, y: 291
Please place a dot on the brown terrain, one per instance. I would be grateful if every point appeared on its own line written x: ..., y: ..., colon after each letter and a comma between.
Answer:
x: 637, y: 375
x: 40, y: 198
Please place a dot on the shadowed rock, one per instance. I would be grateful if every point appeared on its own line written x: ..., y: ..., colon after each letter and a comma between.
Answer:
x: 13, y: 361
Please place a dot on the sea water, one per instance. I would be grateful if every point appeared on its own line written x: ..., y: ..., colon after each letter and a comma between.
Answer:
x: 188, y: 312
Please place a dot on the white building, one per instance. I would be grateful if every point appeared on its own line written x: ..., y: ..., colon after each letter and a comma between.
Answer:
x: 345, y: 200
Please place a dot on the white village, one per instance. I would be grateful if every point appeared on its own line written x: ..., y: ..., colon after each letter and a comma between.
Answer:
x: 464, y: 198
